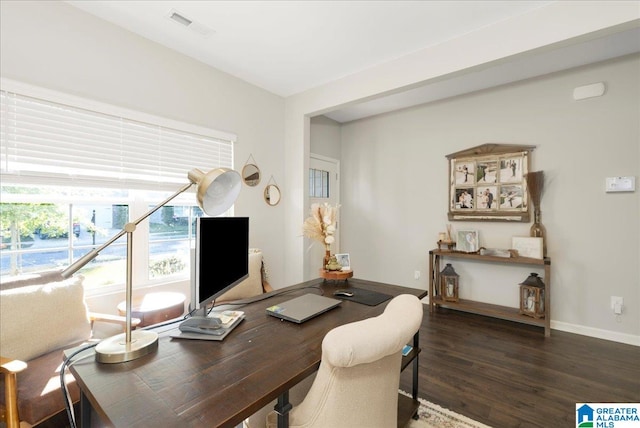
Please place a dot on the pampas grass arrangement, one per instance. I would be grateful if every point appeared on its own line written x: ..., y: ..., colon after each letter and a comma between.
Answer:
x: 321, y: 224
x: 535, y: 184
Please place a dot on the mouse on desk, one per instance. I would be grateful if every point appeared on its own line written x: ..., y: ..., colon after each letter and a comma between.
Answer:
x: 343, y: 293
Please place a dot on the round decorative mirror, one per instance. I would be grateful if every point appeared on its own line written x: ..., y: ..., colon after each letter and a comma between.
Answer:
x: 272, y: 194
x: 251, y: 175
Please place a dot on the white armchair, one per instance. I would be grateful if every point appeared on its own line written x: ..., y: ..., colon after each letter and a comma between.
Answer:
x: 358, y: 379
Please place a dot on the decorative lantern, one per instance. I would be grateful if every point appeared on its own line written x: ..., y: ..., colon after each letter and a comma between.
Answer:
x: 532, y: 296
x: 449, y: 284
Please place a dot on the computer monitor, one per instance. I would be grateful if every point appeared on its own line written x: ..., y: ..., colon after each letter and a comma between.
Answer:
x: 221, y: 258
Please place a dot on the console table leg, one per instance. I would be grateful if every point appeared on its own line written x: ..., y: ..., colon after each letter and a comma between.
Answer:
x: 282, y: 408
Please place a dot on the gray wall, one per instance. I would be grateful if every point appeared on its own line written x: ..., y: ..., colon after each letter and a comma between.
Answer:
x: 394, y: 192
x: 325, y: 137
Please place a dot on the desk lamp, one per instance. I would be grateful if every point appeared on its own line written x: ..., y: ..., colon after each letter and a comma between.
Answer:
x: 216, y: 191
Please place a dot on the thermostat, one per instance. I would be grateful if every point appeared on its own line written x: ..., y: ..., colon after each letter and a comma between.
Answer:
x: 620, y: 184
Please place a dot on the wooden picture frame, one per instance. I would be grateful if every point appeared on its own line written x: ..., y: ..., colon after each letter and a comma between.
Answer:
x: 487, y: 183
x: 467, y: 241
x: 344, y: 260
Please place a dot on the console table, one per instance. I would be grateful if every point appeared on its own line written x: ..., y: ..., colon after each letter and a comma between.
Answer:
x: 218, y: 384
x: 503, y: 312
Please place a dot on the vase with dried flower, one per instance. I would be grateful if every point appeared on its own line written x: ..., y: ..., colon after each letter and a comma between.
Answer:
x: 321, y: 226
x: 535, y: 185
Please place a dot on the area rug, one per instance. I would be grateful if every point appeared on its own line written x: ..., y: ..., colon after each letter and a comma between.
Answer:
x: 431, y: 415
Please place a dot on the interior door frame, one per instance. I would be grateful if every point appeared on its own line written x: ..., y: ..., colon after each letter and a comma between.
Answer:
x: 334, y: 198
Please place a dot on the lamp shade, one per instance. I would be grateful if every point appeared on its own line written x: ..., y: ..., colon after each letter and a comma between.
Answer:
x: 216, y: 190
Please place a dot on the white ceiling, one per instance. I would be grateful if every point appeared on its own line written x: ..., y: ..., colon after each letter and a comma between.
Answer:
x: 287, y: 47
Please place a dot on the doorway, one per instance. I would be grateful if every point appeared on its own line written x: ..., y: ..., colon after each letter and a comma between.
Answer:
x: 324, y: 187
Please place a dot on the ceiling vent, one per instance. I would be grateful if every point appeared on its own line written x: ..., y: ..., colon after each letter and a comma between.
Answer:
x: 196, y: 27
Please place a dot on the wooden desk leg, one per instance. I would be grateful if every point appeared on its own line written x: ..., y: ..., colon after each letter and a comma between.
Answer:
x: 431, y: 279
x: 85, y: 411
x: 282, y: 408
x: 416, y: 345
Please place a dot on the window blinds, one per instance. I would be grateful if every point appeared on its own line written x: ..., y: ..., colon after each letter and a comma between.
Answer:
x: 47, y: 140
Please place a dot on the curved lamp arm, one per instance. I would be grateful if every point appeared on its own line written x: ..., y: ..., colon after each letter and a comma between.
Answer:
x: 217, y: 190
x: 129, y: 227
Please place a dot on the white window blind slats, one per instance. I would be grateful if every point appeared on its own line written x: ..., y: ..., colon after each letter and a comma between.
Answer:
x: 43, y: 138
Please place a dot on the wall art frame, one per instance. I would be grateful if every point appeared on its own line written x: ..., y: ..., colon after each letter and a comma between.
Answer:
x: 487, y: 183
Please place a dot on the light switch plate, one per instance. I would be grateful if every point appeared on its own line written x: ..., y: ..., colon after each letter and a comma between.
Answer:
x: 620, y: 184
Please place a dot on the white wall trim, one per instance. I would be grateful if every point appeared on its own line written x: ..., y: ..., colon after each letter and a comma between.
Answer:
x: 597, y: 333
x: 324, y: 158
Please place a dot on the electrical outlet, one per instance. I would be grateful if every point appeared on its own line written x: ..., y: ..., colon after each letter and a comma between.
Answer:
x: 616, y: 304
x: 416, y: 275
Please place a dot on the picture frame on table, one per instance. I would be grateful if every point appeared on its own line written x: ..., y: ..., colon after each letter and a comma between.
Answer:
x: 467, y: 241
x: 344, y: 260
x: 528, y: 246
x: 488, y: 183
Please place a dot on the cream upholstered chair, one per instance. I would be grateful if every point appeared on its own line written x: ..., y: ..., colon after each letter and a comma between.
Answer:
x: 359, y: 375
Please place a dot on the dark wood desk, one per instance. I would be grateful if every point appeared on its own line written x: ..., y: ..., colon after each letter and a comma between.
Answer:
x: 192, y: 383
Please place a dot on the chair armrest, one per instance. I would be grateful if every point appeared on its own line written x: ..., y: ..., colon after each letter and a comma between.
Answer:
x: 115, y: 319
x: 9, y: 365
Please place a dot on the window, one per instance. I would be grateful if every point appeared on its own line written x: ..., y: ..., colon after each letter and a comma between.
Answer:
x: 48, y: 227
x: 318, y: 183
x: 73, y: 176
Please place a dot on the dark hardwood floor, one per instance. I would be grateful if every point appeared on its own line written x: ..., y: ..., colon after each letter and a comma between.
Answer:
x: 506, y: 374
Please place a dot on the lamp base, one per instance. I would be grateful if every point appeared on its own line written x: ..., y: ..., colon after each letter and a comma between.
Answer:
x: 115, y: 349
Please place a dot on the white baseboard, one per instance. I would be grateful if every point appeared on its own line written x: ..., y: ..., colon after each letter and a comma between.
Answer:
x: 614, y: 336
x: 629, y: 339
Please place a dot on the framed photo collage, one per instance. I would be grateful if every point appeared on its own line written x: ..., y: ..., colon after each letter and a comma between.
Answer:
x: 487, y: 183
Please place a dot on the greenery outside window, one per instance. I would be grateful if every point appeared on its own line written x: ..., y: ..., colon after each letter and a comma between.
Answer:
x: 48, y: 227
